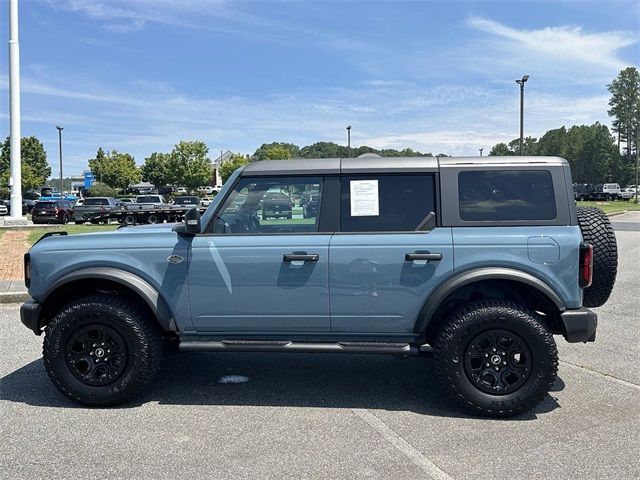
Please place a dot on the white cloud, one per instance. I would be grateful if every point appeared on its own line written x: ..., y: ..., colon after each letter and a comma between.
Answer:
x: 569, y: 45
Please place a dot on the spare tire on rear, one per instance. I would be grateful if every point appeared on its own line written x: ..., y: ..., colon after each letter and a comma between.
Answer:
x: 597, y: 231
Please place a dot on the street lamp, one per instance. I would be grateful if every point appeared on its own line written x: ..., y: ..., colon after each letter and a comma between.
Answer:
x: 60, y: 151
x: 521, y: 82
x: 481, y: 149
x: 349, y: 140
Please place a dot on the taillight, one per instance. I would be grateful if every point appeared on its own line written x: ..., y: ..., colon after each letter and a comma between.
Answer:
x: 586, y: 265
x: 27, y: 269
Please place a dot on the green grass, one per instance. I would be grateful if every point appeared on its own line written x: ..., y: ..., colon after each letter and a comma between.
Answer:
x: 36, y: 233
x: 611, y: 207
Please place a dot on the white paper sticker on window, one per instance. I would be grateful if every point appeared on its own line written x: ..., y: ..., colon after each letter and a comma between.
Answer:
x: 364, y: 198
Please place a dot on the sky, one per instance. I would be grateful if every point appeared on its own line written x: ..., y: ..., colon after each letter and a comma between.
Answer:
x: 141, y: 75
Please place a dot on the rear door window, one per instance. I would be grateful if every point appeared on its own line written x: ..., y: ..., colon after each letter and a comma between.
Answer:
x: 386, y: 203
x: 506, y: 195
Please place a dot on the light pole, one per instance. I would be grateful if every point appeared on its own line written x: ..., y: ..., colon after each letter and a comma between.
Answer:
x: 15, y: 178
x: 521, y: 82
x: 349, y: 140
x: 481, y: 149
x: 60, y: 151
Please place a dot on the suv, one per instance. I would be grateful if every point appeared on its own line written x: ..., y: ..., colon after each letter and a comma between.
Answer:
x: 479, y: 261
x: 52, y: 211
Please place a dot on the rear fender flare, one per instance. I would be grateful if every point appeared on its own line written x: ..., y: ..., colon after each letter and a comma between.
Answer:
x: 472, y: 276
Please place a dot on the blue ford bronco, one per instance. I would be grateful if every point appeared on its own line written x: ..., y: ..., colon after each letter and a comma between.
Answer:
x: 477, y: 261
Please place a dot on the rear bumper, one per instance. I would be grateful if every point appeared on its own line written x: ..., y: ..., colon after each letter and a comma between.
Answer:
x: 580, y: 325
x: 30, y: 313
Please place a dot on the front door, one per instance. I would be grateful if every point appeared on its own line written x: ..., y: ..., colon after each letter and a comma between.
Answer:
x: 389, y: 255
x: 263, y: 267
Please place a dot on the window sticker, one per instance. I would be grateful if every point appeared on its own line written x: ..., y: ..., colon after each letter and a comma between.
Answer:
x: 364, y: 198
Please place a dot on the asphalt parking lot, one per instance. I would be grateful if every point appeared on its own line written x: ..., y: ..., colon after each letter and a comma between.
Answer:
x: 322, y: 416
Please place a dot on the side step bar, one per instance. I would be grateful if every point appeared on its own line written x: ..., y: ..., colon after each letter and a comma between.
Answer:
x: 289, y: 346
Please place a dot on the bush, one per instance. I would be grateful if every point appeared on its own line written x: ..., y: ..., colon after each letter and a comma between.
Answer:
x: 101, y: 190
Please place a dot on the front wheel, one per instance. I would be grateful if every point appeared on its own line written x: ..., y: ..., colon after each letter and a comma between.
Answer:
x: 102, y: 349
x: 496, y: 358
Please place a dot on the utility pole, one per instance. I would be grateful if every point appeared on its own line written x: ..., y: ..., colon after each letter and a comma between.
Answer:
x: 637, y: 166
x: 60, y: 150
x: 521, y: 82
x: 349, y: 140
x: 15, y: 178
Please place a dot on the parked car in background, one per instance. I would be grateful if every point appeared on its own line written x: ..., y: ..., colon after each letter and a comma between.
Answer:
x: 147, y: 201
x: 208, y: 189
x: 310, y: 208
x: 186, y: 201
x: 93, y: 206
x: 4, y: 209
x: 276, y: 205
x: 52, y: 211
x: 181, y: 190
x: 205, y: 201
x: 27, y: 205
x: 611, y: 190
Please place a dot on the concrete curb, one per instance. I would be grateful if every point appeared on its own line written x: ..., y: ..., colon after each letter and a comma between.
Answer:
x: 615, y: 214
x: 14, y: 297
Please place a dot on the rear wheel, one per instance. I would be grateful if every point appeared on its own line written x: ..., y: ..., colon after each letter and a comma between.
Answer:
x: 496, y: 358
x: 597, y: 231
x: 101, y: 350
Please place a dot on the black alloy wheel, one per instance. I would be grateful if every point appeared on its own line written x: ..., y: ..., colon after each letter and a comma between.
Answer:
x: 96, y: 354
x: 497, y: 361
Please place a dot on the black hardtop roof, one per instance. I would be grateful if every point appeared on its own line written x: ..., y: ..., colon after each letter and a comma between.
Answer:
x: 370, y: 164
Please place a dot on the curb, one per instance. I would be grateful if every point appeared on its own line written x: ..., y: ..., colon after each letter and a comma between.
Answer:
x: 14, y: 297
x: 615, y: 214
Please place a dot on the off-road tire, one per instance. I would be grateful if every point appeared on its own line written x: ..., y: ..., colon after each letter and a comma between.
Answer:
x: 596, y: 230
x: 131, y: 322
x: 477, y: 318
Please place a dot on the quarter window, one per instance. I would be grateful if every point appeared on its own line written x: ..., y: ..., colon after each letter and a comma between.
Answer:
x: 385, y: 203
x: 271, y: 205
x: 506, y: 195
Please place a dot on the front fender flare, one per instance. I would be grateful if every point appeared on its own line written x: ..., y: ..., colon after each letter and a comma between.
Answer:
x: 488, y: 273
x: 130, y: 280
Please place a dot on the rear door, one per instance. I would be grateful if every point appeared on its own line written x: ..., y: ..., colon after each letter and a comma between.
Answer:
x: 390, y: 253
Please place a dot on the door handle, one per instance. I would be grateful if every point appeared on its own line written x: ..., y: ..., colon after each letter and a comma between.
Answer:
x: 301, y: 257
x: 429, y: 257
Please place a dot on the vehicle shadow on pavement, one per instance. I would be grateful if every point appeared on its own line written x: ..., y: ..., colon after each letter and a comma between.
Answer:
x: 287, y: 380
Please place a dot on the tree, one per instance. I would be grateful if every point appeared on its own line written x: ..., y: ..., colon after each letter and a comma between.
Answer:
x: 156, y: 169
x: 118, y: 170
x: 275, y: 151
x: 231, y: 165
x: 33, y: 160
x: 188, y: 165
x: 101, y: 190
x: 278, y: 152
x: 500, y: 149
x: 625, y: 107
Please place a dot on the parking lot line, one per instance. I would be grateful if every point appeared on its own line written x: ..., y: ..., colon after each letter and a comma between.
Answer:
x: 401, y: 444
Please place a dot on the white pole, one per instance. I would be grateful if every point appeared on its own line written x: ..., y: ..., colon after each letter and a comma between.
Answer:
x: 15, y: 179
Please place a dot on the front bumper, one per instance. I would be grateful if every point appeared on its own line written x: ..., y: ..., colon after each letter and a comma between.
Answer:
x: 580, y: 325
x: 30, y: 314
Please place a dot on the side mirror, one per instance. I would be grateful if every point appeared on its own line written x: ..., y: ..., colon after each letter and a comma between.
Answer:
x: 192, y: 221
